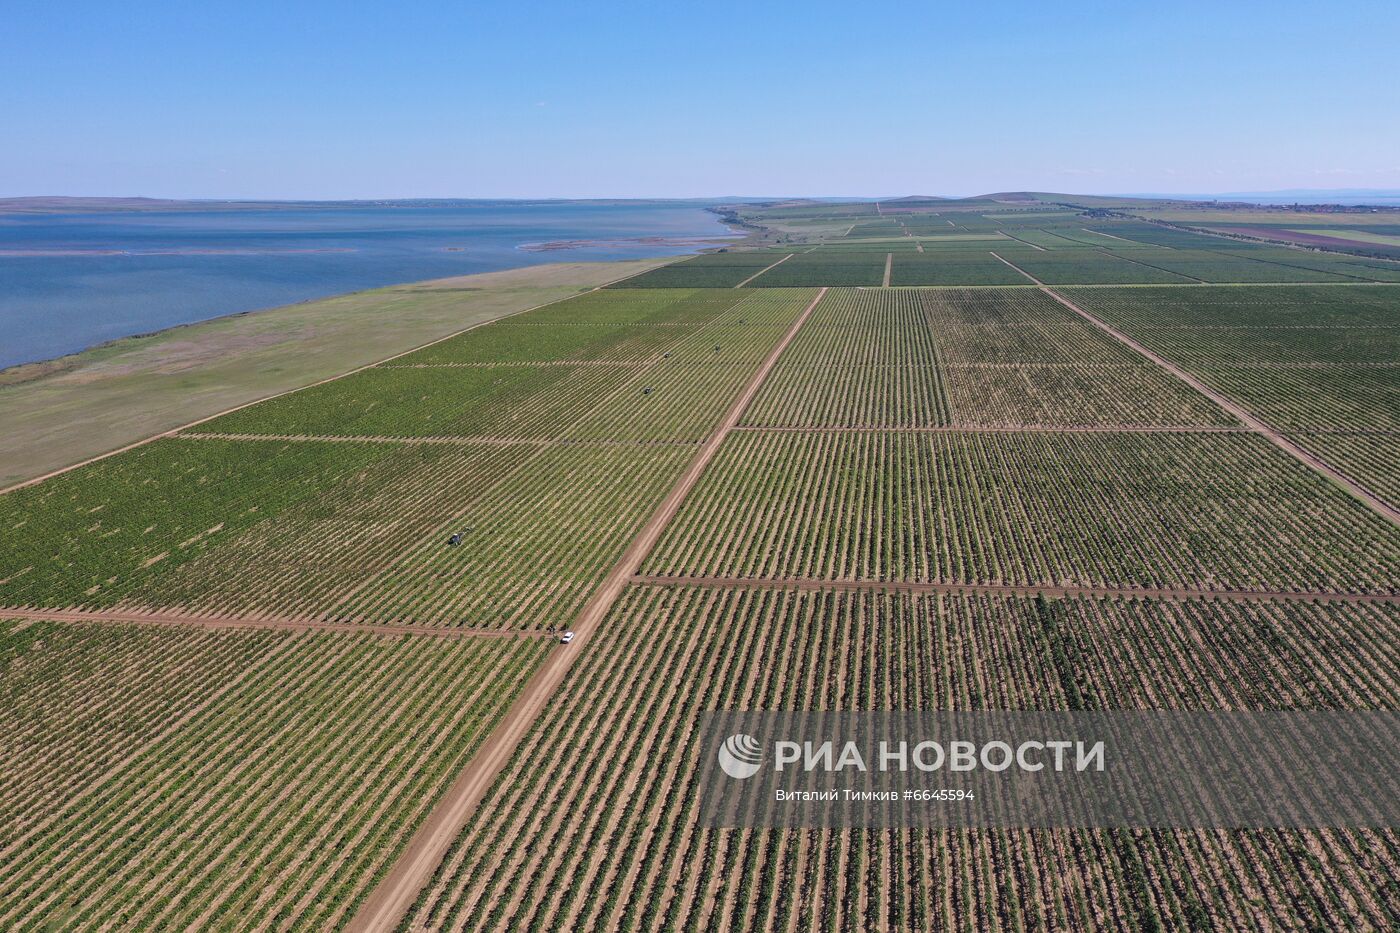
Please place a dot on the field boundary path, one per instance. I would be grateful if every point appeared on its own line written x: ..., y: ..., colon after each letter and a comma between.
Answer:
x: 1298, y: 453
x: 395, y: 894
x: 252, y: 621
x: 311, y: 385
x: 1010, y: 589
x: 889, y: 267
x: 766, y: 268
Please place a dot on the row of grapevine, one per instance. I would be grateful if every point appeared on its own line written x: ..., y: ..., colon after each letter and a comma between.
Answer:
x: 593, y: 825
x: 209, y: 780
x: 1211, y: 511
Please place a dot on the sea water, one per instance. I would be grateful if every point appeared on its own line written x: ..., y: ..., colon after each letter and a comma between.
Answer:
x: 70, y: 281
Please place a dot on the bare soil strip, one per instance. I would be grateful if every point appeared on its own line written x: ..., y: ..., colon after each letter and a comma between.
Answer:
x: 766, y: 268
x: 387, y: 904
x: 312, y: 385
x: 1022, y: 271
x: 168, y: 619
x: 889, y: 265
x: 1008, y: 589
x: 1019, y: 240
x: 1308, y: 459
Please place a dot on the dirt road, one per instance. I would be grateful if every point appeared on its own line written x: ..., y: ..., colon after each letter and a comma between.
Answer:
x: 387, y: 904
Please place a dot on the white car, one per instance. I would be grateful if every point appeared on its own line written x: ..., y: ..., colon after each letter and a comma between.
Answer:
x: 566, y: 637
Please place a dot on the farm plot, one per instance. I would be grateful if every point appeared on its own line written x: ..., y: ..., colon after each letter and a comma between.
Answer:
x: 1298, y: 398
x: 954, y: 267
x: 843, y: 247
x: 864, y: 358
x: 682, y: 397
x: 1351, y: 267
x: 605, y: 325
x: 833, y: 268
x: 547, y: 400
x: 1138, y: 309
x: 95, y: 535
x: 305, y: 560
x: 1018, y: 357
x: 967, y: 241
x: 540, y: 542
x: 1308, y: 346
x: 1310, y: 361
x: 1157, y: 235
x: 187, y: 780
x: 711, y: 270
x: 1090, y: 267
x: 504, y: 402
x: 627, y: 836
x: 1080, y: 236
x: 1201, y: 511
x: 1369, y: 458
x: 1234, y: 266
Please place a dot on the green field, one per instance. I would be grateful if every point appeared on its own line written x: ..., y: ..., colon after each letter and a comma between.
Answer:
x: 243, y: 663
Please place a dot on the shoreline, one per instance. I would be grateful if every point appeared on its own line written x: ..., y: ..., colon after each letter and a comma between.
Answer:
x: 183, y: 281
x: 82, y: 406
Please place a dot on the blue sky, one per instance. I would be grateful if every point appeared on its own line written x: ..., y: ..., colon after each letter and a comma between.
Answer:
x: 687, y: 99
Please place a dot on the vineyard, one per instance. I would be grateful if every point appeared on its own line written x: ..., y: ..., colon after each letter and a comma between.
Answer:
x: 1217, y: 511
x: 1322, y: 365
x: 297, y: 666
x: 335, y: 502
x: 626, y: 836
x: 193, y: 780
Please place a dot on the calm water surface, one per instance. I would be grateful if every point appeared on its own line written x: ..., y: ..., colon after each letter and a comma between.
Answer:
x: 69, y: 281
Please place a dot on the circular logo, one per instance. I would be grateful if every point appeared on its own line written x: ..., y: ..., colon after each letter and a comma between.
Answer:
x: 740, y: 756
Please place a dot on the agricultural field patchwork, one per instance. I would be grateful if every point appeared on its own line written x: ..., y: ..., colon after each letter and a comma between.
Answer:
x: 1307, y: 361
x: 627, y: 836
x: 1198, y: 511
x: 243, y: 662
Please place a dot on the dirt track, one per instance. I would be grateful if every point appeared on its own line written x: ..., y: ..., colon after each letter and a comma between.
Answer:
x: 387, y: 904
x: 1007, y: 589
